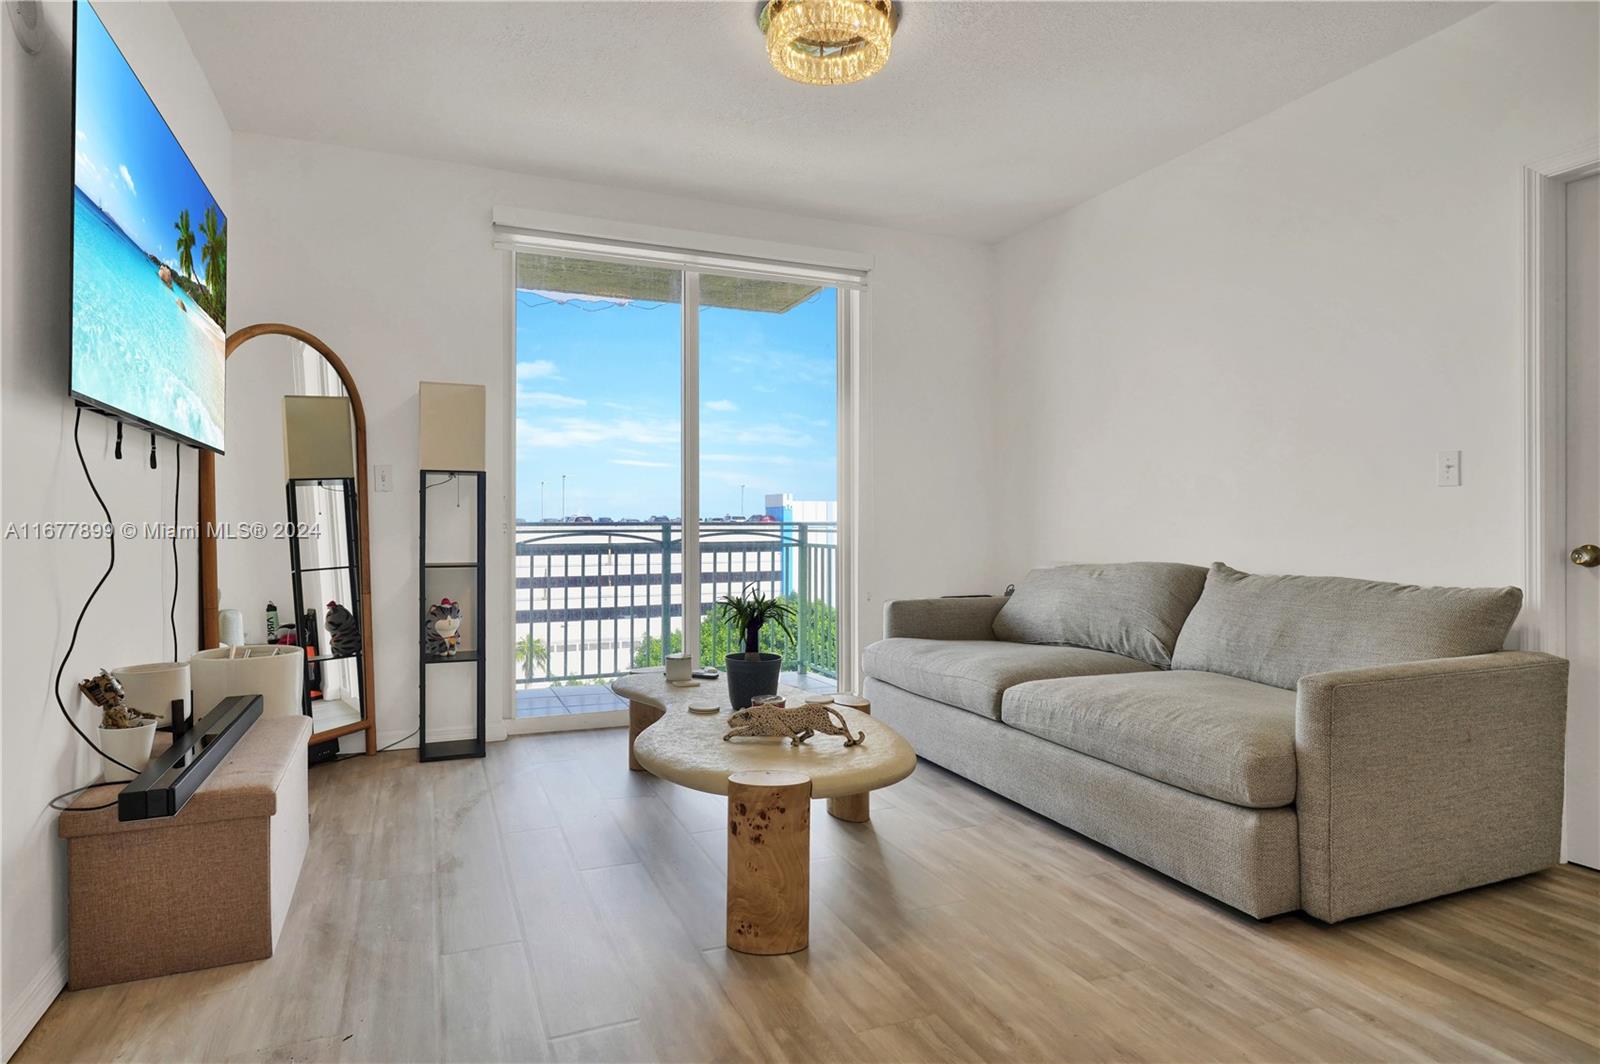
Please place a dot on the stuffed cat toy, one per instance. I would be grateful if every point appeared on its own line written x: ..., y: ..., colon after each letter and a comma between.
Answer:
x: 344, y: 638
x: 442, y: 629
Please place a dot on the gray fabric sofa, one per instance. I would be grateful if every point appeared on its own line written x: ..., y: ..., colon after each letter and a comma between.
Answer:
x: 1278, y: 742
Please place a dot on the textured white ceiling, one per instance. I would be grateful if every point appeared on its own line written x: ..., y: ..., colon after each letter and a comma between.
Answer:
x: 989, y: 116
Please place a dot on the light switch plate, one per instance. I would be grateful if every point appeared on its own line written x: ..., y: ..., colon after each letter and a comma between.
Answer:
x: 382, y: 478
x: 1449, y: 469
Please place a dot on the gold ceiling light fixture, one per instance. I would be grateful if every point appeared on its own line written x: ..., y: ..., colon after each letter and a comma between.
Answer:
x: 828, y: 42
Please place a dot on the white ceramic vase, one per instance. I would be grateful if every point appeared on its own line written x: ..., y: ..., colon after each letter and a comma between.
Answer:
x: 153, y: 688
x: 131, y: 746
x: 274, y: 671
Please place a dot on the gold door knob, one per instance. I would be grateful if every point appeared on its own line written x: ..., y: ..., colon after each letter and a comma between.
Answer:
x: 1587, y: 555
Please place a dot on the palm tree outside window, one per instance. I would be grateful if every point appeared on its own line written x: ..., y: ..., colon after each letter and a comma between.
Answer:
x: 531, y: 653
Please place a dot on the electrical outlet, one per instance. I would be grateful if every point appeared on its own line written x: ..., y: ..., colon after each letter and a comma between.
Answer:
x: 382, y: 478
x: 1449, y: 469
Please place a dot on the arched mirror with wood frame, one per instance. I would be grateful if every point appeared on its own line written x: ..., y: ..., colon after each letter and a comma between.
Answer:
x: 270, y: 533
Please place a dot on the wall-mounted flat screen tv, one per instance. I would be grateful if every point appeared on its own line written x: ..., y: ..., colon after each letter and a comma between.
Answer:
x: 149, y: 255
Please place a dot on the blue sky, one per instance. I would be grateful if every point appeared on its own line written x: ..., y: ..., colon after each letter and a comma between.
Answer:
x: 125, y: 158
x: 598, y: 400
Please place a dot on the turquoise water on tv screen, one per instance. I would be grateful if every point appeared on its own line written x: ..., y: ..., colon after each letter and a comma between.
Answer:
x: 138, y: 346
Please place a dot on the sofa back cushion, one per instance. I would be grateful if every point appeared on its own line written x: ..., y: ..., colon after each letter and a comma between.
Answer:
x: 1276, y: 629
x: 1133, y: 608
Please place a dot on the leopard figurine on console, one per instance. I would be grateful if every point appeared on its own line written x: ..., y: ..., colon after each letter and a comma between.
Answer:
x: 796, y: 723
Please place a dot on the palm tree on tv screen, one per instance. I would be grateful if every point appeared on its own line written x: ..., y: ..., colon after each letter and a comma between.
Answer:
x: 215, y: 257
x: 185, y: 243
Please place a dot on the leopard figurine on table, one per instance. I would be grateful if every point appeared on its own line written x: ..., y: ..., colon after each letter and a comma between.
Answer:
x: 796, y: 723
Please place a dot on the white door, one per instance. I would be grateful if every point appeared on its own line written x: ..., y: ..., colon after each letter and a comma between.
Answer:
x: 1583, y: 518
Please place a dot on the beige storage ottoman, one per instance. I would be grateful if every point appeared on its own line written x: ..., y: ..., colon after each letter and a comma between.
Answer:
x: 209, y: 886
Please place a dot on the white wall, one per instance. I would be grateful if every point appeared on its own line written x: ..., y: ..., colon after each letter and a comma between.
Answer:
x: 1253, y: 352
x: 389, y: 260
x: 46, y: 583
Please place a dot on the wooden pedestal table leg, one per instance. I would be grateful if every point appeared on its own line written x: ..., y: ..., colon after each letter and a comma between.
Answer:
x: 855, y: 808
x: 640, y: 717
x: 769, y: 862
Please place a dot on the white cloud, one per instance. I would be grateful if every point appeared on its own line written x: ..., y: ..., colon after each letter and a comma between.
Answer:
x: 549, y: 399
x: 640, y: 463
x: 722, y: 406
x: 776, y: 363
x: 766, y: 436
x: 536, y: 369
x: 583, y: 432
x: 90, y: 171
x: 763, y: 459
x: 127, y: 179
x: 81, y: 135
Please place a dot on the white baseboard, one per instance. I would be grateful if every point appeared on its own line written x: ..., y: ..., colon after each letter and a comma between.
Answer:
x: 405, y: 740
x: 610, y: 718
x: 42, y: 989
x: 509, y: 726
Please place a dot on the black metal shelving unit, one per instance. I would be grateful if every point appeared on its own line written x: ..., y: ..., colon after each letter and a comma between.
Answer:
x: 477, y: 746
x: 314, y: 676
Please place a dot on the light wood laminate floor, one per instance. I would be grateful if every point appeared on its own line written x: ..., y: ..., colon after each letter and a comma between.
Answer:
x: 547, y: 904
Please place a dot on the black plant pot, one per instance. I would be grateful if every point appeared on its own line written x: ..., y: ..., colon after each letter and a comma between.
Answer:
x: 749, y: 680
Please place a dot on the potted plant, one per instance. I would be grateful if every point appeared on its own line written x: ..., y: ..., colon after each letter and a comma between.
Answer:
x: 753, y: 673
x: 126, y: 734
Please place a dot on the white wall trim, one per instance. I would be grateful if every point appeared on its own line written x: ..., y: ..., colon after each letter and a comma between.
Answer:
x: 508, y: 452
x: 609, y: 718
x: 1544, y: 394
x: 30, y: 1008
x: 849, y: 355
x: 406, y: 739
x: 691, y: 249
x: 689, y: 483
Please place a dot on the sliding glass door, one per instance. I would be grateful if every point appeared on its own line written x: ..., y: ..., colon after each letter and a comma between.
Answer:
x: 644, y: 395
x: 769, y: 465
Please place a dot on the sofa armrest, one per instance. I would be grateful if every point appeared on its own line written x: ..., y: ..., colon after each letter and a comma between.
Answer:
x: 941, y: 618
x: 1427, y: 777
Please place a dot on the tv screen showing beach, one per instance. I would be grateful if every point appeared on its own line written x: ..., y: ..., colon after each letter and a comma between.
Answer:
x: 149, y: 256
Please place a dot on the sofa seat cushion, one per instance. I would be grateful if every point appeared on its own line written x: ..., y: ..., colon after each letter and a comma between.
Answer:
x: 1208, y: 734
x: 972, y: 674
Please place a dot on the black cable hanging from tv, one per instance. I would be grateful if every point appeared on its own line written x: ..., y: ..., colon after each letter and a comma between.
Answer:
x: 111, y: 563
x: 177, y: 485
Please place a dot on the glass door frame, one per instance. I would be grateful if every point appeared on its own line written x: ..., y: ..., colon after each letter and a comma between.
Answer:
x: 851, y: 285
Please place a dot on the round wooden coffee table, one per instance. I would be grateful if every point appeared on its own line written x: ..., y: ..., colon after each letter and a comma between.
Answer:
x: 769, y: 784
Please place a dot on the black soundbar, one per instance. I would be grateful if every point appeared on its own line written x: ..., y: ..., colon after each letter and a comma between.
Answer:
x: 177, y: 772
